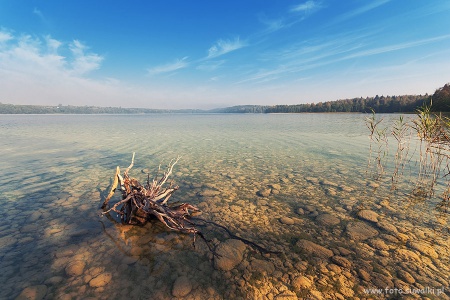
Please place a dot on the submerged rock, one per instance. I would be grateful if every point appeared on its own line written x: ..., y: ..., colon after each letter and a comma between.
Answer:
x: 314, y: 249
x: 405, y: 276
x: 209, y: 193
x: 229, y: 254
x: 364, y: 275
x: 329, y: 183
x: 378, y: 244
x: 423, y: 248
x: 346, y: 188
x: 287, y: 221
x: 286, y: 295
x: 327, y: 220
x: 368, y: 215
x: 275, y: 186
x: 301, y: 282
x: 360, y: 231
x: 260, y: 265
x: 264, y: 193
x: 334, y: 268
x: 35, y: 292
x: 382, y: 280
x: 300, y: 211
x: 101, y: 280
x: 75, y: 268
x: 404, y: 255
x: 34, y: 216
x: 181, y: 287
x: 341, y: 261
x: 54, y: 280
x: 312, y: 180
x: 343, y: 251
x: 7, y: 241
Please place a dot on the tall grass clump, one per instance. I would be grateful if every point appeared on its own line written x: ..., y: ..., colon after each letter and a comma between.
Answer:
x: 422, y: 144
x: 378, y: 143
x: 402, y: 135
x: 434, y: 144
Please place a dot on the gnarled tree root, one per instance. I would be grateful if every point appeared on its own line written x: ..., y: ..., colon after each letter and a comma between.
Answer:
x: 140, y: 202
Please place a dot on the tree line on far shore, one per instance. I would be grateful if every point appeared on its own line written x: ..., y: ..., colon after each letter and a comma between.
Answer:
x: 378, y: 104
x: 70, y: 109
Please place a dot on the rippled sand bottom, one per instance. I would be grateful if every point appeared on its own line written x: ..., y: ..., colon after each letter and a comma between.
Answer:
x: 341, y: 235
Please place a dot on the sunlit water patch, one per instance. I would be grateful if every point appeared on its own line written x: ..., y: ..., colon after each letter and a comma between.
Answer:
x: 297, y: 184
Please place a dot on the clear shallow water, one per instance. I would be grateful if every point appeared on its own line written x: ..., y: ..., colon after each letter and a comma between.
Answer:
x: 56, y: 170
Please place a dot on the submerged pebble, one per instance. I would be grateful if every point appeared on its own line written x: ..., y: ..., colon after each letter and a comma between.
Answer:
x: 100, y: 280
x: 368, y: 215
x: 35, y: 292
x: 287, y: 221
x: 229, y: 254
x: 181, y: 287
x: 264, y: 192
x: 75, y: 268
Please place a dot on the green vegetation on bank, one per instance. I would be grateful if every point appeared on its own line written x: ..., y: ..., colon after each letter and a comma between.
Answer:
x: 69, y: 109
x: 388, y: 104
x: 420, y: 161
x: 378, y: 104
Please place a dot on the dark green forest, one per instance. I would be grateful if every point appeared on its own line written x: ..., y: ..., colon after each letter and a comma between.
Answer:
x: 378, y: 104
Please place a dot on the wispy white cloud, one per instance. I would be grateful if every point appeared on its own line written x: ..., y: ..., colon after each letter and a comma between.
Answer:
x: 265, y: 75
x: 274, y: 25
x: 83, y: 62
x: 307, y: 7
x: 396, y: 47
x: 38, y: 13
x: 27, y: 55
x: 46, y: 71
x: 359, y: 11
x: 37, y: 64
x: 296, y: 59
x: 52, y: 44
x: 40, y: 57
x: 308, y: 54
x: 322, y: 48
x: 210, y: 65
x: 271, y: 25
x: 294, y: 15
x: 222, y: 47
x: 5, y: 36
x: 170, y: 67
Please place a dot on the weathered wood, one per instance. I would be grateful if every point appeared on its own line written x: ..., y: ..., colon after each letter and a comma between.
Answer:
x: 113, y: 187
x: 140, y: 202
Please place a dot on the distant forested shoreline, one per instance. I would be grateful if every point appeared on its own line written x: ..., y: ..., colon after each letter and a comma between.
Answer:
x: 378, y: 104
x: 71, y: 109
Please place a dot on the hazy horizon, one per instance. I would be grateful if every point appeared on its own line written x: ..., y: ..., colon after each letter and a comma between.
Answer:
x: 205, y: 55
x: 203, y: 109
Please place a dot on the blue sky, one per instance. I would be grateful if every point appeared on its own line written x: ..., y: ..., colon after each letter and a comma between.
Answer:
x: 207, y: 54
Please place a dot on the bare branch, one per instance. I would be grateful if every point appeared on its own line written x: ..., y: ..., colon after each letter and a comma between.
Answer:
x: 140, y: 202
x: 113, y: 187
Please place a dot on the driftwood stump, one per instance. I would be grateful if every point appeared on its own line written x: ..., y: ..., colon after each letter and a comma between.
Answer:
x: 140, y: 202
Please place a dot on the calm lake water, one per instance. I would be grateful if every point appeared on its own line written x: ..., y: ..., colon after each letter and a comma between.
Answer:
x: 298, y: 184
